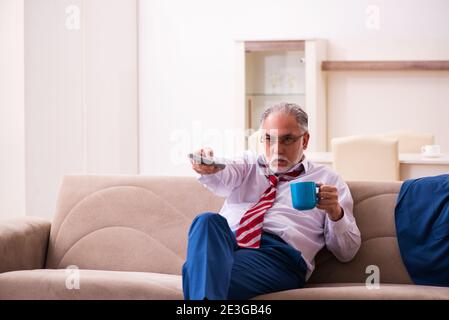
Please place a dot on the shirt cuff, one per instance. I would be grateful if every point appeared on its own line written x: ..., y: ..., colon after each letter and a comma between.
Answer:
x: 209, y: 178
x: 340, y: 226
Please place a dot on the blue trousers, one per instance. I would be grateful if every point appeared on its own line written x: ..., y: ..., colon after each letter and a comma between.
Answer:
x: 217, y: 269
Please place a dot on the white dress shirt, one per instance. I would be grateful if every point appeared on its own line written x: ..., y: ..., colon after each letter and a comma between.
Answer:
x: 242, y: 182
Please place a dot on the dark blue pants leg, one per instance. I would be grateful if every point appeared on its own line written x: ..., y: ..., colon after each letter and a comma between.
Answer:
x: 207, y: 270
x: 216, y: 268
x: 275, y: 266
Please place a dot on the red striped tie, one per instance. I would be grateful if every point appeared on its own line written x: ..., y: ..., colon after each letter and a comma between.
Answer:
x: 249, y: 231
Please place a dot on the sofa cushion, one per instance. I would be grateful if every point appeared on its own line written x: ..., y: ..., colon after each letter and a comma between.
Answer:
x: 96, y: 284
x: 125, y: 223
x: 358, y: 291
x: 93, y: 284
x: 374, y: 204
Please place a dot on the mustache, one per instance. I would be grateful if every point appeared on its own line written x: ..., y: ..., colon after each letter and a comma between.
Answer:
x: 277, y: 157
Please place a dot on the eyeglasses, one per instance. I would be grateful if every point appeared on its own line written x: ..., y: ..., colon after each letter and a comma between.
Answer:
x: 284, y: 140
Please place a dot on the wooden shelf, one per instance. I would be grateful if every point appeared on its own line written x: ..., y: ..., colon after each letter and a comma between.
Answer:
x: 430, y: 65
x: 283, y: 45
x: 261, y: 94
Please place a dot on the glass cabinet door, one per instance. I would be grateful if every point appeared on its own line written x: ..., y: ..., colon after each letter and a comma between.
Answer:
x: 284, y: 71
x: 273, y: 77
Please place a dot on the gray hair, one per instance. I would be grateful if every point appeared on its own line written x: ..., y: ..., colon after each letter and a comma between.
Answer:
x: 289, y: 109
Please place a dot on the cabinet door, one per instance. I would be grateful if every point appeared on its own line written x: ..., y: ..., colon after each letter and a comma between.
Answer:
x: 285, y: 71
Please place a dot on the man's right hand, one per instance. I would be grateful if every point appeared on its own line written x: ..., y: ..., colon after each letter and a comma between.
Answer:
x: 204, y: 168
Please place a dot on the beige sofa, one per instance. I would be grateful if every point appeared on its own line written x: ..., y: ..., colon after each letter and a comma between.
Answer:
x: 127, y: 235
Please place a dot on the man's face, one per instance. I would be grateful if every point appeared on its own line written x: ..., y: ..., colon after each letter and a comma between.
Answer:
x: 284, y: 141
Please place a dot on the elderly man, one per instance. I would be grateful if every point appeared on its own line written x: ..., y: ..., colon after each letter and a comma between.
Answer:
x: 258, y: 243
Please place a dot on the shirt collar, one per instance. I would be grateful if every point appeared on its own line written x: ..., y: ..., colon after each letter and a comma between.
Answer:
x: 306, y: 163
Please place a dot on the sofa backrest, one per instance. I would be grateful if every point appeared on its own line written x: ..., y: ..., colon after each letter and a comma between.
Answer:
x: 374, y: 204
x: 125, y: 222
x: 140, y: 223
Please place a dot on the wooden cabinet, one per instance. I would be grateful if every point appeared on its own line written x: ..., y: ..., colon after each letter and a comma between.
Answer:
x: 283, y: 71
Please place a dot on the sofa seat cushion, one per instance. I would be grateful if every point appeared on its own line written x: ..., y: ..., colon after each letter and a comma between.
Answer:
x: 93, y: 284
x: 358, y: 291
x: 98, y: 284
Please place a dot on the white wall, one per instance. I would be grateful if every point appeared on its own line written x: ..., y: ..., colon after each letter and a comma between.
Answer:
x: 384, y: 101
x: 81, y: 93
x: 12, y: 118
x: 188, y: 63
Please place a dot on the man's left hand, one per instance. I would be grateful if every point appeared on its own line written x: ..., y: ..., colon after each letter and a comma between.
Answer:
x: 328, y: 201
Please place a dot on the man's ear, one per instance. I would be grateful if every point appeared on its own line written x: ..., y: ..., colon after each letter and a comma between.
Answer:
x: 305, y: 141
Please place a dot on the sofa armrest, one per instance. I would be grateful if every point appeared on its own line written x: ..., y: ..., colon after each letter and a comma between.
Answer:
x: 23, y: 243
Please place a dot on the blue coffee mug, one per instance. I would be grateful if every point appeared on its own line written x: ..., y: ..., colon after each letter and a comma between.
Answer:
x: 304, y: 195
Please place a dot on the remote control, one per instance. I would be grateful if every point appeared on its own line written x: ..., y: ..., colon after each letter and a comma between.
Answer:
x: 207, y: 161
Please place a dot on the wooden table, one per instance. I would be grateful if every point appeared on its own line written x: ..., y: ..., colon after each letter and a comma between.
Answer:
x: 411, y: 165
